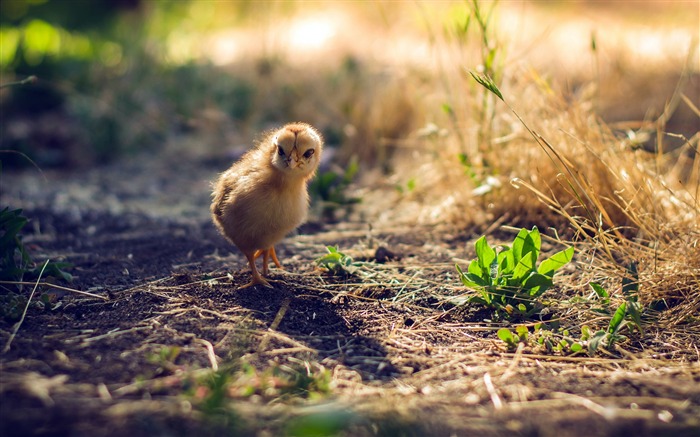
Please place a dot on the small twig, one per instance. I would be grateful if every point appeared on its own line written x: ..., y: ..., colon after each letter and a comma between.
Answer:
x: 59, y: 287
x: 497, y: 402
x: 289, y: 350
x: 17, y: 152
x: 26, y: 81
x: 607, y: 413
x: 103, y: 392
x: 86, y: 342
x: 516, y: 360
x: 210, y: 353
x: 24, y: 313
x: 275, y: 323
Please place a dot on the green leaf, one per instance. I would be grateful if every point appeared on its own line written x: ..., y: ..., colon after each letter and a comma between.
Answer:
x: 507, y: 336
x: 506, y: 264
x: 585, y: 332
x: 634, y: 312
x: 617, y: 319
x: 595, y: 341
x: 470, y: 279
x: 532, y: 244
x: 630, y: 282
x: 523, y: 269
x: 556, y: 261
x: 600, y: 291
x: 12, y: 228
x: 485, y: 253
x: 522, y: 332
x: 518, y: 244
x: 576, y: 347
x: 475, y: 269
x: 536, y: 284
x: 487, y: 83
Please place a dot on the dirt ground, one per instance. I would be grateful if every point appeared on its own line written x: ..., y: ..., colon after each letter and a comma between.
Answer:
x: 400, y: 360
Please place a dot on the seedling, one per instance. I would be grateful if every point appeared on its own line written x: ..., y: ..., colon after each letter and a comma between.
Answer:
x: 511, y: 339
x: 509, y: 280
x: 336, y: 262
x: 628, y: 314
x: 15, y: 262
x: 552, y: 340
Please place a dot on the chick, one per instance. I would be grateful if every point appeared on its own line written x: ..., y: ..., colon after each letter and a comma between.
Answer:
x: 263, y: 196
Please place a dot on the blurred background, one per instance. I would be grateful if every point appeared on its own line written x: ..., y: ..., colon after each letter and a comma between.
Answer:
x: 385, y: 81
x: 120, y: 76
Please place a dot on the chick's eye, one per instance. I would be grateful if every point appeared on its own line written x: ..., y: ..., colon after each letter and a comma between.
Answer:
x: 309, y: 153
x: 280, y: 151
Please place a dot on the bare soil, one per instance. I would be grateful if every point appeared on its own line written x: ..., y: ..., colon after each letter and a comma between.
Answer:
x: 402, y: 361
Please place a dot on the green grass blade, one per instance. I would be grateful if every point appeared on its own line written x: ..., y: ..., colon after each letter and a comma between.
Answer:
x: 487, y: 83
x: 630, y: 282
x: 617, y: 319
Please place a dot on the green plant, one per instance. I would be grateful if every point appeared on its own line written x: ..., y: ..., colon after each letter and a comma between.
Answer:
x: 408, y: 187
x: 512, y: 339
x: 165, y: 359
x: 15, y: 262
x: 301, y: 380
x: 212, y: 398
x: 551, y: 339
x: 510, y: 280
x: 336, y: 262
x: 627, y: 315
x: 330, y: 189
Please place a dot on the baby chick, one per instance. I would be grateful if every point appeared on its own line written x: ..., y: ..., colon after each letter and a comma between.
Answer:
x: 263, y: 196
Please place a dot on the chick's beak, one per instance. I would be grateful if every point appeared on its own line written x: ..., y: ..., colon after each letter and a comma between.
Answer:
x: 293, y: 160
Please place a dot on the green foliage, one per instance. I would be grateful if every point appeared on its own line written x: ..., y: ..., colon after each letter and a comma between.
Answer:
x: 11, y: 306
x: 627, y: 315
x: 165, y: 359
x: 16, y: 265
x: 601, y: 292
x: 301, y: 380
x: 551, y: 339
x: 468, y: 167
x: 408, y: 188
x: 512, y: 339
x: 213, y: 394
x: 330, y: 189
x: 509, y: 280
x: 336, y: 262
x: 15, y: 262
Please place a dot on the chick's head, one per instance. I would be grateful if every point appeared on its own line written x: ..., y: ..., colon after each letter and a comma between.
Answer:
x: 296, y: 149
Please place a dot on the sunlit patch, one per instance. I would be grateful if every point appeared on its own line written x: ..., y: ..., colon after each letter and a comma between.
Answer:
x: 224, y: 47
x: 313, y: 32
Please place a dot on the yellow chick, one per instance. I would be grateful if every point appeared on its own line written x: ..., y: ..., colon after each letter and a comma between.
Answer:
x: 263, y: 196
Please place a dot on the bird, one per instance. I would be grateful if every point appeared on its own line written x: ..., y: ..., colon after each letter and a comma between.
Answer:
x: 263, y: 196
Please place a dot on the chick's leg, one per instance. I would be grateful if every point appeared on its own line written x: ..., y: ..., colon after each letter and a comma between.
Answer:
x: 267, y: 254
x: 257, y: 279
x: 271, y: 250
